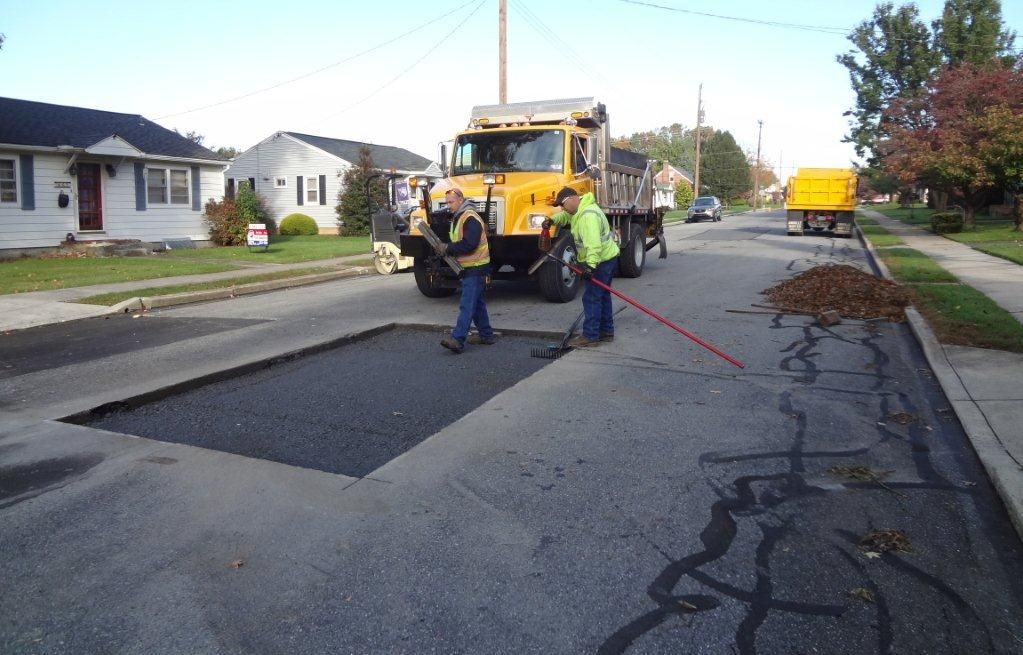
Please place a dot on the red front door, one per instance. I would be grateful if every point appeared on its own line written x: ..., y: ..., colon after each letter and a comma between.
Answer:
x: 90, y: 200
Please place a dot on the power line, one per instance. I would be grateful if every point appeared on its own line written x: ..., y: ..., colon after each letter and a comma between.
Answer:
x: 318, y: 70
x: 824, y: 29
x: 405, y: 71
x: 545, y: 32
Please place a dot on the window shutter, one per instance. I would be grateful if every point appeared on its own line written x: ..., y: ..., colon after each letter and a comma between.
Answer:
x: 298, y: 185
x: 28, y: 183
x: 140, y: 186
x: 323, y: 189
x: 196, y: 189
x: 229, y: 191
x: 252, y: 183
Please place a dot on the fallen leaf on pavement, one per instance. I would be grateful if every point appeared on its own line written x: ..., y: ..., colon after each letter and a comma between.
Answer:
x: 904, y: 418
x: 237, y: 564
x: 687, y: 605
x: 886, y: 541
x: 860, y: 593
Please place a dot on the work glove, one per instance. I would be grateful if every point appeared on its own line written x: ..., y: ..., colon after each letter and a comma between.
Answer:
x: 547, y: 223
x: 585, y: 272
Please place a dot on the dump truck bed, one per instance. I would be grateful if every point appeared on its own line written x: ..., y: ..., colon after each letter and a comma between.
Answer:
x: 822, y: 188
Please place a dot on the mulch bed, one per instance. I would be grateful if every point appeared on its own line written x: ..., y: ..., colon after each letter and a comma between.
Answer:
x: 845, y: 289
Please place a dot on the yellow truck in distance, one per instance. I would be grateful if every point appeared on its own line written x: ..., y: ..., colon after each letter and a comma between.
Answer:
x: 510, y: 161
x: 821, y: 200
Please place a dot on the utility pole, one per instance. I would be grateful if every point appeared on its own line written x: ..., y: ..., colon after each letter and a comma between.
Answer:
x: 699, y: 120
x: 756, y: 178
x: 502, y: 46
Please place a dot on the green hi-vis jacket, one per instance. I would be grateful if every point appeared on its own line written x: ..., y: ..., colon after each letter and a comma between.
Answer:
x: 590, y: 231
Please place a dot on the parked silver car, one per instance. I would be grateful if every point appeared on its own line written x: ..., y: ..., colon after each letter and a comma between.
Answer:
x: 704, y: 207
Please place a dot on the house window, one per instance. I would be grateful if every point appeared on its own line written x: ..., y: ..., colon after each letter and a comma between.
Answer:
x: 156, y: 186
x: 8, y: 185
x: 280, y: 183
x: 312, y: 190
x: 165, y: 186
x: 179, y: 187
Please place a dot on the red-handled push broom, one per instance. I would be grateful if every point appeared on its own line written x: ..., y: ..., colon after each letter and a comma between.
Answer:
x: 689, y: 335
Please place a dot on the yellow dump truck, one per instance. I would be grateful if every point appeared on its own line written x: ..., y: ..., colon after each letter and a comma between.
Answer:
x: 821, y: 200
x: 511, y: 161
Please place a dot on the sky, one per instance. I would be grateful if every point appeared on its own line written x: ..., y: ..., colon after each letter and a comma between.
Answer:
x: 408, y: 73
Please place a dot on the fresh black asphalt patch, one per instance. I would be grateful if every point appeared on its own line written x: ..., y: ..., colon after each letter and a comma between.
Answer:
x: 347, y: 410
x: 62, y: 344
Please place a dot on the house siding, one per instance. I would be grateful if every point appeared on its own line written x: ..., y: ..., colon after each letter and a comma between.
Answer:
x: 282, y: 156
x: 48, y: 224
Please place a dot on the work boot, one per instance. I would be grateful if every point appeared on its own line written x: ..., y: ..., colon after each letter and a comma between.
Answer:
x: 452, y: 345
x: 607, y: 338
x: 477, y: 340
x: 582, y: 342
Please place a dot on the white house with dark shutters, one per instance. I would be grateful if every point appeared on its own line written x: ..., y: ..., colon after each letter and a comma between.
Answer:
x: 300, y: 172
x: 99, y: 175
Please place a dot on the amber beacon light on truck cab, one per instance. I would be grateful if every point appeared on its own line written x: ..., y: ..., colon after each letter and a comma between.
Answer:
x: 511, y: 161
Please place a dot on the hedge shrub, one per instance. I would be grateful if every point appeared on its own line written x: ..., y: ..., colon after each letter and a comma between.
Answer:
x: 299, y: 224
x: 946, y: 222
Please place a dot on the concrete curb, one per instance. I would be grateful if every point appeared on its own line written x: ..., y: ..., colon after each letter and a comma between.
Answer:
x: 155, y: 302
x: 1003, y: 471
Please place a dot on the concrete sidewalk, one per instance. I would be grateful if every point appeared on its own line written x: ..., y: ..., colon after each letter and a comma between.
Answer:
x: 23, y: 310
x: 984, y: 387
x: 998, y: 279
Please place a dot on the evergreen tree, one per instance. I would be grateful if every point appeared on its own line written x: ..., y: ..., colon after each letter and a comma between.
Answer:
x: 972, y: 31
x: 354, y: 208
x: 892, y: 60
x: 683, y: 195
x: 724, y: 170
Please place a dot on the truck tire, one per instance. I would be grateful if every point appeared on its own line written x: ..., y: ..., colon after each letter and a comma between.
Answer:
x: 557, y: 282
x: 633, y: 255
x: 421, y: 272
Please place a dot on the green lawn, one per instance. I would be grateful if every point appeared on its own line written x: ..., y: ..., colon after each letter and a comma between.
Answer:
x: 283, y: 250
x: 912, y: 266
x: 919, y: 215
x: 880, y: 237
x: 961, y: 315
x: 674, y: 216
x: 1011, y: 251
x: 22, y: 275
x: 862, y: 220
x: 988, y: 231
x: 117, y: 296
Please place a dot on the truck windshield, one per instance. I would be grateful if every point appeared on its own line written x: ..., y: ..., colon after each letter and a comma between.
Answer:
x: 510, y: 152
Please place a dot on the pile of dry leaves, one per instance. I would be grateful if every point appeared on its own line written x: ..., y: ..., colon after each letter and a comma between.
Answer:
x: 845, y: 289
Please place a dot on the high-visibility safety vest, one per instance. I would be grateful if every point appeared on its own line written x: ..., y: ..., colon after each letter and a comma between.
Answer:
x: 481, y: 255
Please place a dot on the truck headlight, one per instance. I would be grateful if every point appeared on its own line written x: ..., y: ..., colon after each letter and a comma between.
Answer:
x: 535, y: 221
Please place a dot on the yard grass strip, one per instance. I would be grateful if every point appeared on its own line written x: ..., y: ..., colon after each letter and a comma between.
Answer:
x: 46, y: 274
x: 863, y: 220
x: 117, y: 296
x: 963, y: 316
x: 1010, y: 251
x: 880, y: 237
x: 910, y: 266
x: 282, y: 250
x: 914, y: 215
x: 995, y: 231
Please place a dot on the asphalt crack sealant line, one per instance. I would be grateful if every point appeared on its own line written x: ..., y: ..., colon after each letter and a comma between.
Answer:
x: 774, y: 503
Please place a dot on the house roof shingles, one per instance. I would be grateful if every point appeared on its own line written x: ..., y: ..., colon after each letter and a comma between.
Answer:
x: 28, y: 123
x: 384, y: 157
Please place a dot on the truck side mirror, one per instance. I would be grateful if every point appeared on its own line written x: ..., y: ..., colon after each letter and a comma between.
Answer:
x: 593, y: 171
x: 444, y: 159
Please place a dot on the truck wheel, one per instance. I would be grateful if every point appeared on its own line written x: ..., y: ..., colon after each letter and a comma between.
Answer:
x: 557, y: 282
x: 633, y: 256
x: 422, y: 273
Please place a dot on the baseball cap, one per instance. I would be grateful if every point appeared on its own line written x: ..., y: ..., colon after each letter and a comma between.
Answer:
x: 563, y: 195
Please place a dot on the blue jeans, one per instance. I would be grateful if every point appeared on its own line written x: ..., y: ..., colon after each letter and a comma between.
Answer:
x: 597, y: 303
x: 472, y: 309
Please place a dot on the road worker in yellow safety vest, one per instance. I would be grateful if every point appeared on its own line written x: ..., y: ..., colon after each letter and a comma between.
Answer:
x: 471, y: 250
x: 596, y: 252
